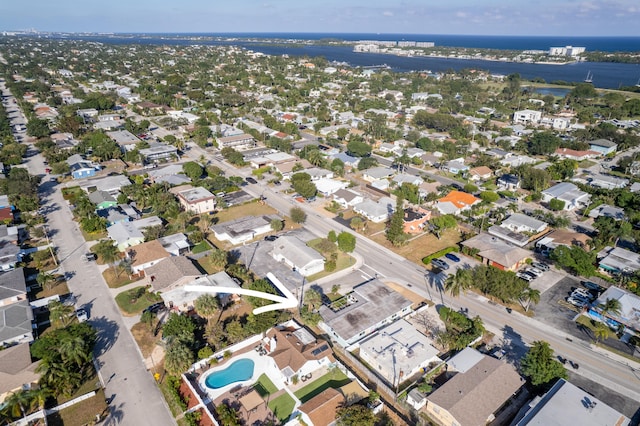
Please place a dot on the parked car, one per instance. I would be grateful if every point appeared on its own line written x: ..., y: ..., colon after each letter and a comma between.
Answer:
x: 440, y: 264
x: 524, y: 276
x: 580, y: 297
x: 251, y: 180
x: 156, y: 307
x: 534, y: 271
x: 591, y: 285
x: 452, y: 256
x: 576, y: 302
x: 539, y: 265
x: 582, y: 291
x: 90, y: 256
x: 271, y: 238
x: 82, y: 315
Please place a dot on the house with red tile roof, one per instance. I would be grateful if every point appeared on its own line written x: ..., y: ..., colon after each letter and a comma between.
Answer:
x: 456, y: 202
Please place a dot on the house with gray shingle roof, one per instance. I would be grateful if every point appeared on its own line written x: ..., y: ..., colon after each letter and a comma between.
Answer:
x: 12, y: 287
x: 295, y: 253
x: 15, y: 323
x: 171, y: 272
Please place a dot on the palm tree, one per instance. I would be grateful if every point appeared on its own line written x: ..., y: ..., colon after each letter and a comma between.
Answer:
x: 611, y: 306
x: 218, y: 258
x: 529, y: 296
x: 74, y: 349
x: 183, y: 219
x: 39, y: 397
x: 601, y: 331
x: 60, y: 313
x: 16, y: 403
x: 107, y: 251
x: 459, y: 282
x: 45, y: 279
x: 207, y: 305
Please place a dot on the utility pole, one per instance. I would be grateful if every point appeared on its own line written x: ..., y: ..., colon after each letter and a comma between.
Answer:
x: 53, y: 256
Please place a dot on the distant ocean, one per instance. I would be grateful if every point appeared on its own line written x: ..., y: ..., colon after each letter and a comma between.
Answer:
x: 605, y: 75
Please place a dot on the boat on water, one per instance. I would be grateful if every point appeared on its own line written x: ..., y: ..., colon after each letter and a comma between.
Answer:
x: 589, y: 78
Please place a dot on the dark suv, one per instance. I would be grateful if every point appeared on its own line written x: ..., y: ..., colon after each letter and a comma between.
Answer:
x: 440, y: 264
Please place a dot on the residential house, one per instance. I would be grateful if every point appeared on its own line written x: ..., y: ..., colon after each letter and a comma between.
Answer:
x: 17, y: 370
x: 171, y: 272
x: 486, y: 384
x: 129, y: 234
x: 566, y: 404
x: 416, y: 399
x: 515, y: 238
x: 374, y: 211
x: 158, y: 152
x: 387, y: 147
x: 111, y: 184
x: 175, y: 244
x: 197, y: 200
x: 603, y: 146
x: 617, y: 260
x: 237, y: 142
x: 145, y: 255
x: 102, y: 200
x: 13, y: 288
x: 455, y: 202
x: 455, y: 166
x: 607, y: 181
x: 527, y: 116
x: 497, y: 253
x: 243, y: 229
x: 517, y: 160
x: 348, y: 160
x: 414, y: 220
x: 627, y: 318
x: 317, y: 173
x: 271, y: 159
x: 401, y: 178
x: 369, y: 307
x: 286, y: 169
x: 126, y: 140
x: 398, y: 350
x: 15, y: 323
x: 480, y: 174
x: 113, y: 215
x: 606, y: 210
x: 572, y: 154
x: 563, y: 237
x: 328, y: 187
x: 497, y: 152
x: 321, y: 409
x: 347, y: 198
x: 172, y: 174
x: 295, y: 253
x: 177, y: 297
x: 522, y: 223
x: 10, y: 254
x: 12, y: 234
x: 569, y: 193
x: 6, y: 209
x: 508, y: 182
x: 296, y: 351
x: 377, y: 173
x: 79, y: 167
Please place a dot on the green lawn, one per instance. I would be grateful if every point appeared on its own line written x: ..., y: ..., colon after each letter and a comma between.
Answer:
x: 264, y: 386
x: 200, y: 247
x: 282, y: 407
x: 130, y: 304
x: 333, y: 379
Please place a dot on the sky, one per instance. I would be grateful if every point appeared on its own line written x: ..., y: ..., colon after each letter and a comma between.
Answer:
x: 481, y: 17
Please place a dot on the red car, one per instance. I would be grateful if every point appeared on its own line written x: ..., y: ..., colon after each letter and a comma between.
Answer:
x: 48, y: 170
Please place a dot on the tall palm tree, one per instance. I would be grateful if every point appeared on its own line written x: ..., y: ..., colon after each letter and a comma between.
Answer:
x: 529, y: 296
x: 207, y: 305
x: 204, y: 222
x: 39, y: 397
x: 218, y: 258
x: 17, y: 403
x: 74, y: 349
x: 601, y: 331
x: 611, y: 307
x: 459, y: 282
x: 60, y: 313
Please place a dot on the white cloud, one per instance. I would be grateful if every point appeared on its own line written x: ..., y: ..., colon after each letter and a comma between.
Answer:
x: 387, y: 13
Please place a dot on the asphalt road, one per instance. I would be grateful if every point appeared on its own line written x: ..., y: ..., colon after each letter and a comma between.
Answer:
x: 136, y: 399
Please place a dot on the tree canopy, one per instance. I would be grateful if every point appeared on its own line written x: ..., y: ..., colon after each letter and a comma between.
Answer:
x: 539, y: 365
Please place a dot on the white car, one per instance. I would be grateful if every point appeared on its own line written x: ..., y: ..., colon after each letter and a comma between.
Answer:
x: 576, y: 302
x: 82, y: 315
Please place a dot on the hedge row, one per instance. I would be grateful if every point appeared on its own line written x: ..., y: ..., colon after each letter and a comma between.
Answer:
x: 427, y: 260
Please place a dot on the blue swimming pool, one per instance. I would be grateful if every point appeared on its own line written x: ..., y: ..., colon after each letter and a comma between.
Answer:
x: 238, y: 371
